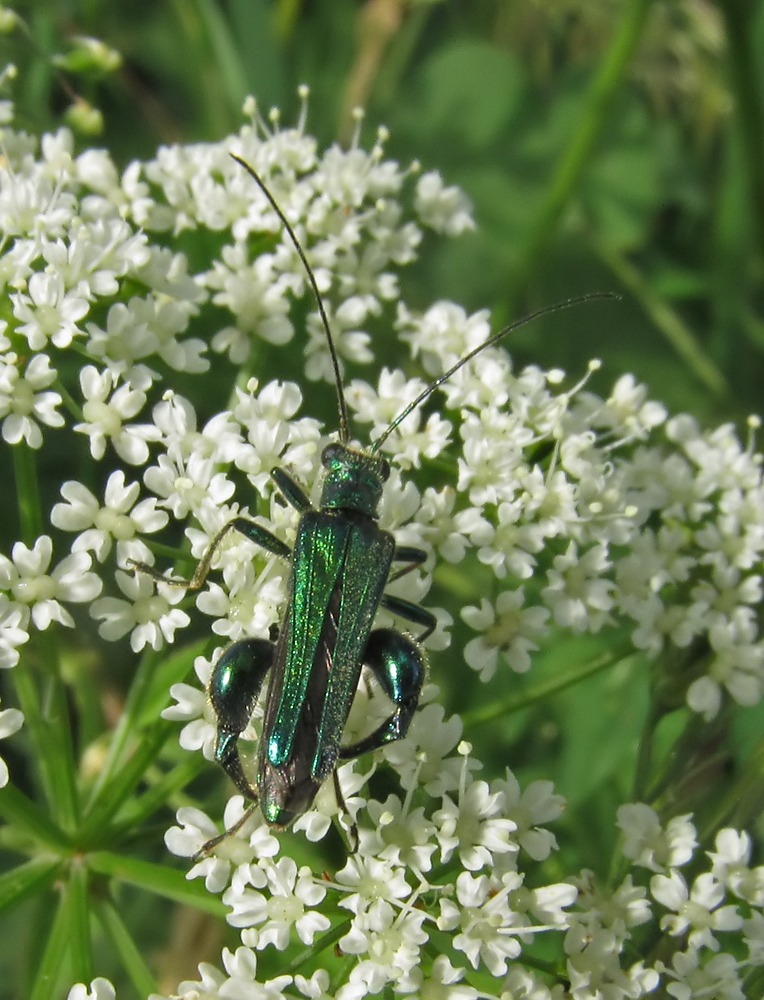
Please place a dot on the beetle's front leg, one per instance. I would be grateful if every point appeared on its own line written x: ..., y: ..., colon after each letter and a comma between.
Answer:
x: 233, y: 690
x: 398, y: 664
x: 254, y: 532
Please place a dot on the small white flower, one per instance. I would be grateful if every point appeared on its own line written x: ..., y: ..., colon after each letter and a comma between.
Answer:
x: 40, y: 593
x: 529, y: 810
x: 287, y: 902
x: 367, y: 880
x: 716, y: 977
x: 48, y: 311
x: 12, y: 634
x: 731, y: 866
x: 149, y: 617
x: 243, y: 980
x: 507, y: 629
x: 11, y: 720
x: 578, y: 593
x: 444, y: 983
x: 697, y: 910
x: 476, y: 826
x: 423, y: 757
x: 23, y: 403
x: 487, y: 927
x: 120, y: 519
x: 105, y: 413
x: 649, y: 845
x: 400, y: 836
x: 389, y: 946
x: 444, y: 209
x: 99, y: 989
x: 738, y: 664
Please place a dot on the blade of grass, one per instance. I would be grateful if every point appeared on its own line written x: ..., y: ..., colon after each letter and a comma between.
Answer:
x: 572, y: 164
x: 668, y: 322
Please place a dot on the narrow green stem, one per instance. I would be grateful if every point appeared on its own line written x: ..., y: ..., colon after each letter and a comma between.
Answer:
x: 27, y: 880
x: 644, y: 757
x: 79, y: 928
x: 170, y: 883
x: 542, y: 691
x: 122, y: 784
x: 125, y: 946
x: 58, y: 737
x: 28, y: 820
x: 590, y: 124
x: 27, y: 492
x: 69, y: 401
x: 126, y: 727
x: 137, y: 811
x: 47, y: 721
x: 54, y: 955
x: 744, y: 81
x: 668, y: 322
x: 325, y: 941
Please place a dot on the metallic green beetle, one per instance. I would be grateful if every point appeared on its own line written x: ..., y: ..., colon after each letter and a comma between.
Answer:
x: 340, y: 566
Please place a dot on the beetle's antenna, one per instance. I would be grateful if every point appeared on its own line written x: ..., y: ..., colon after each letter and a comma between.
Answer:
x: 342, y: 405
x: 425, y: 393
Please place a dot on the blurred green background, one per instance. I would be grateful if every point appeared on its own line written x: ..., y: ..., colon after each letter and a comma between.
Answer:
x: 606, y: 145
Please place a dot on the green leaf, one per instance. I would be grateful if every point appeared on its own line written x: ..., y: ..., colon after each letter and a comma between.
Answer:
x: 468, y: 89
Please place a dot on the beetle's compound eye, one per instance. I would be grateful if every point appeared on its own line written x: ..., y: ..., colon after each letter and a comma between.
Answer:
x: 384, y: 470
x: 332, y: 453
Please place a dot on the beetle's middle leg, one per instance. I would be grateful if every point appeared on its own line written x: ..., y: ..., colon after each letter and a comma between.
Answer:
x: 293, y: 494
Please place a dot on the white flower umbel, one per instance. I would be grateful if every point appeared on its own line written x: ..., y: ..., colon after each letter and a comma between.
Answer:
x: 547, y: 514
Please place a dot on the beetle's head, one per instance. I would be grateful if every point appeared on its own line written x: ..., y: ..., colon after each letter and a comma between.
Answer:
x: 353, y: 480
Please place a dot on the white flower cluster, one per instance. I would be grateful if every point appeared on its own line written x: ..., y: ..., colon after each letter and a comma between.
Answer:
x: 591, y: 513
x: 399, y: 893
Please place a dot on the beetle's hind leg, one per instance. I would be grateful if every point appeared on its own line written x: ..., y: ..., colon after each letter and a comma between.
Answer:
x: 398, y: 664
x: 234, y: 686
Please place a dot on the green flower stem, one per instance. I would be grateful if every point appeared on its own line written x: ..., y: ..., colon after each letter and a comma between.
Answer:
x: 47, y: 718
x: 69, y: 401
x: 49, y: 724
x: 744, y: 77
x: 138, y: 810
x: 591, y: 122
x: 677, y: 334
x: 127, y: 725
x: 17, y: 809
x: 123, y: 783
x: 321, y: 944
x: 28, y: 492
x: 644, y: 765
x: 540, y: 692
x: 171, y: 883
x: 125, y: 946
x: 741, y: 805
x: 27, y: 880
x: 78, y: 901
x: 47, y: 981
